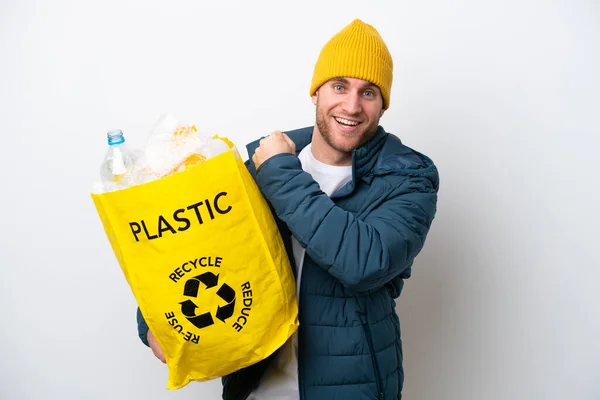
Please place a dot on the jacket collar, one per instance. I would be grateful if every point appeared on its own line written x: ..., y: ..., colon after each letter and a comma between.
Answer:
x: 363, y: 158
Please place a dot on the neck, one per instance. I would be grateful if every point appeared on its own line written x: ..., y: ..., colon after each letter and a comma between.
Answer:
x: 323, y: 152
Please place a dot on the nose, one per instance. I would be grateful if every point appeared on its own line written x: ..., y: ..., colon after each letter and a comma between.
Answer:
x: 352, y: 103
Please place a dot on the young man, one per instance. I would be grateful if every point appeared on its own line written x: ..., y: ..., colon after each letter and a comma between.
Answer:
x: 354, y: 206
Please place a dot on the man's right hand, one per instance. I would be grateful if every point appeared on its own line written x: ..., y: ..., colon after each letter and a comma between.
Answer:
x: 276, y: 143
x: 155, y: 347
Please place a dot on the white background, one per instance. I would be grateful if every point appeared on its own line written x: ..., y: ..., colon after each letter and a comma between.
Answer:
x: 502, y: 95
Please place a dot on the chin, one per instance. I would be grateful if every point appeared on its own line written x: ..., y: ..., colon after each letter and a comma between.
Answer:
x: 345, y: 146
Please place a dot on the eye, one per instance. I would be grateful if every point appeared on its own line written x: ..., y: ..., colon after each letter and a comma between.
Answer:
x: 369, y: 93
x: 338, y: 88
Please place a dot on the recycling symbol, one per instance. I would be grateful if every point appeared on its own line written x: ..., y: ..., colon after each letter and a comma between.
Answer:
x: 225, y: 292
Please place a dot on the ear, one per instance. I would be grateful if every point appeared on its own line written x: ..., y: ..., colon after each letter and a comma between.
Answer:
x: 315, y: 97
x: 381, y: 113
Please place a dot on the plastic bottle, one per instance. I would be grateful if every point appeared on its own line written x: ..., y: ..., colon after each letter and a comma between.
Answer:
x: 118, y: 162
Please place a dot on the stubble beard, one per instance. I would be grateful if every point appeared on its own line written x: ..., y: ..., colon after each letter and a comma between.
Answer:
x: 324, y: 129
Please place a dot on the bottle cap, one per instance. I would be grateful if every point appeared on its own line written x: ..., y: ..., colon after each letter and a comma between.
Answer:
x: 115, y: 136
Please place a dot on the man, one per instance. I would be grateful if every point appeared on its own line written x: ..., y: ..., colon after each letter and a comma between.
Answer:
x: 354, y: 206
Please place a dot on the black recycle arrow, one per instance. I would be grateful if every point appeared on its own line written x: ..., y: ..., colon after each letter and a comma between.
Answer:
x: 188, y: 308
x: 202, y: 320
x: 193, y: 284
x: 228, y: 294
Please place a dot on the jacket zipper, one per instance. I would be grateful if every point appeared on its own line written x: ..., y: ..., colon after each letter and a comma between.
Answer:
x: 300, y: 367
x: 367, y: 328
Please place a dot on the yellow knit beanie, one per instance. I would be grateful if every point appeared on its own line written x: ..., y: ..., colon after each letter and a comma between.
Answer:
x: 357, y: 51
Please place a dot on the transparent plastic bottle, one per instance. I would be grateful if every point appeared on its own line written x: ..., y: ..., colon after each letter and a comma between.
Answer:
x: 118, y: 162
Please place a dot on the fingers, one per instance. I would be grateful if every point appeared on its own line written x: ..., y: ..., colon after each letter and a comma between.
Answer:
x: 289, y: 141
x: 275, y: 143
x: 156, y: 349
x: 273, y: 135
x: 280, y: 136
x: 160, y: 356
x: 149, y: 336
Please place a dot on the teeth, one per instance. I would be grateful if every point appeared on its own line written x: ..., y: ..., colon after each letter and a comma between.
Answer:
x: 346, y: 121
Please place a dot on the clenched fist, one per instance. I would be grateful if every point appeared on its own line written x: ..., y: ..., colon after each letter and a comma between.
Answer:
x: 276, y: 143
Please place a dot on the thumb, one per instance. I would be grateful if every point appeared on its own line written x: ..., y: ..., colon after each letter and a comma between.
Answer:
x: 290, y: 142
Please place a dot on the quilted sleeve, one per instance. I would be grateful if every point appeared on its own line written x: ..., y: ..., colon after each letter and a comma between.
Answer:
x: 142, y: 327
x: 361, y: 254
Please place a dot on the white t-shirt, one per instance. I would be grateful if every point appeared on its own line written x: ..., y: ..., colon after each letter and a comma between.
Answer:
x: 281, y: 379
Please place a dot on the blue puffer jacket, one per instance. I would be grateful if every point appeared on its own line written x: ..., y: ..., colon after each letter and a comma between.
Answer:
x: 360, y: 246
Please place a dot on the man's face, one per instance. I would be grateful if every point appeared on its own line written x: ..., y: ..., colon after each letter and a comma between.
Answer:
x: 348, y: 113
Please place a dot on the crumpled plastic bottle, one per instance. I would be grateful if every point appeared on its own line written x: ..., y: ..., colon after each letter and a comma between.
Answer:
x: 118, y: 162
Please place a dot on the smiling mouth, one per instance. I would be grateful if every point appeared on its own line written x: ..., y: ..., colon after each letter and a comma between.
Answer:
x: 346, y: 122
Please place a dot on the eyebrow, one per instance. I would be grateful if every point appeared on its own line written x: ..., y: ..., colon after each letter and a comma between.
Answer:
x: 344, y: 80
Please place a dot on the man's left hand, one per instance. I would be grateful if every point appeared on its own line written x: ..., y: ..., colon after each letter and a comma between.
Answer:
x: 276, y: 143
